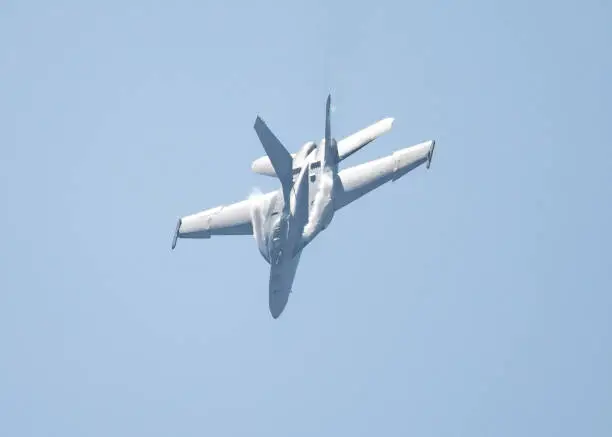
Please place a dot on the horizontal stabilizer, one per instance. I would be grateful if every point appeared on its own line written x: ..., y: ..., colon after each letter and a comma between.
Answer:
x: 280, y: 159
x: 354, y: 142
x: 278, y: 156
x: 346, y: 146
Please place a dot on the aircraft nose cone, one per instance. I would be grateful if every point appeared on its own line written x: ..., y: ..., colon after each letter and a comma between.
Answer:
x: 281, y: 281
x: 278, y: 302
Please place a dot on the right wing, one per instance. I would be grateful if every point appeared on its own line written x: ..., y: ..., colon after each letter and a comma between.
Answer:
x: 234, y: 219
x: 359, y: 180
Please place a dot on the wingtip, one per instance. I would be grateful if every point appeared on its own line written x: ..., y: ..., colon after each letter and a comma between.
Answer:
x: 430, y: 153
x: 176, y: 233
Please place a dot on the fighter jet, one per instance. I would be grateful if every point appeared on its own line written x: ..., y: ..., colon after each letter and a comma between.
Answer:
x: 312, y: 190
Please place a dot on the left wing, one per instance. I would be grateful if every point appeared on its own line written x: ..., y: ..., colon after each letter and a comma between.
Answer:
x: 234, y: 219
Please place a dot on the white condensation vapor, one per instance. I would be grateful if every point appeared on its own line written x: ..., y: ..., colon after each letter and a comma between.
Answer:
x: 255, y: 192
x: 256, y: 200
x: 320, y: 201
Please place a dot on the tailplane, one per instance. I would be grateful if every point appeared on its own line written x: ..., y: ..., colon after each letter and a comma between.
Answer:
x: 281, y: 159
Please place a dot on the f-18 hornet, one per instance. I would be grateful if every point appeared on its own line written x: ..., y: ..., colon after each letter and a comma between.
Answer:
x: 312, y: 190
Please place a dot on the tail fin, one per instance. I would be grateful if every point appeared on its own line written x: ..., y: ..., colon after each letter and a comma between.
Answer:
x: 281, y: 159
x: 330, y: 150
x: 327, y: 120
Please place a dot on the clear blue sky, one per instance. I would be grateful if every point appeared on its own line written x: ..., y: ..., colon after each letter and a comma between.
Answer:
x: 473, y: 299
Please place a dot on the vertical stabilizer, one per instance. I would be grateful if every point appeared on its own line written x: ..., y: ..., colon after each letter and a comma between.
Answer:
x: 327, y: 120
x: 281, y: 159
x: 329, y: 156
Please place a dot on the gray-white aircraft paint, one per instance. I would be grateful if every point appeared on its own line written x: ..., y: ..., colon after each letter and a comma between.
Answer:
x: 285, y: 221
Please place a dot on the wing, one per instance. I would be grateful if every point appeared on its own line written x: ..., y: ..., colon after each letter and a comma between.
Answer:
x: 359, y: 180
x: 234, y: 219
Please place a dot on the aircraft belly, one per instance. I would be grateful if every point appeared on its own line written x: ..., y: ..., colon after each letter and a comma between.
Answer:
x: 282, y: 276
x: 284, y: 221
